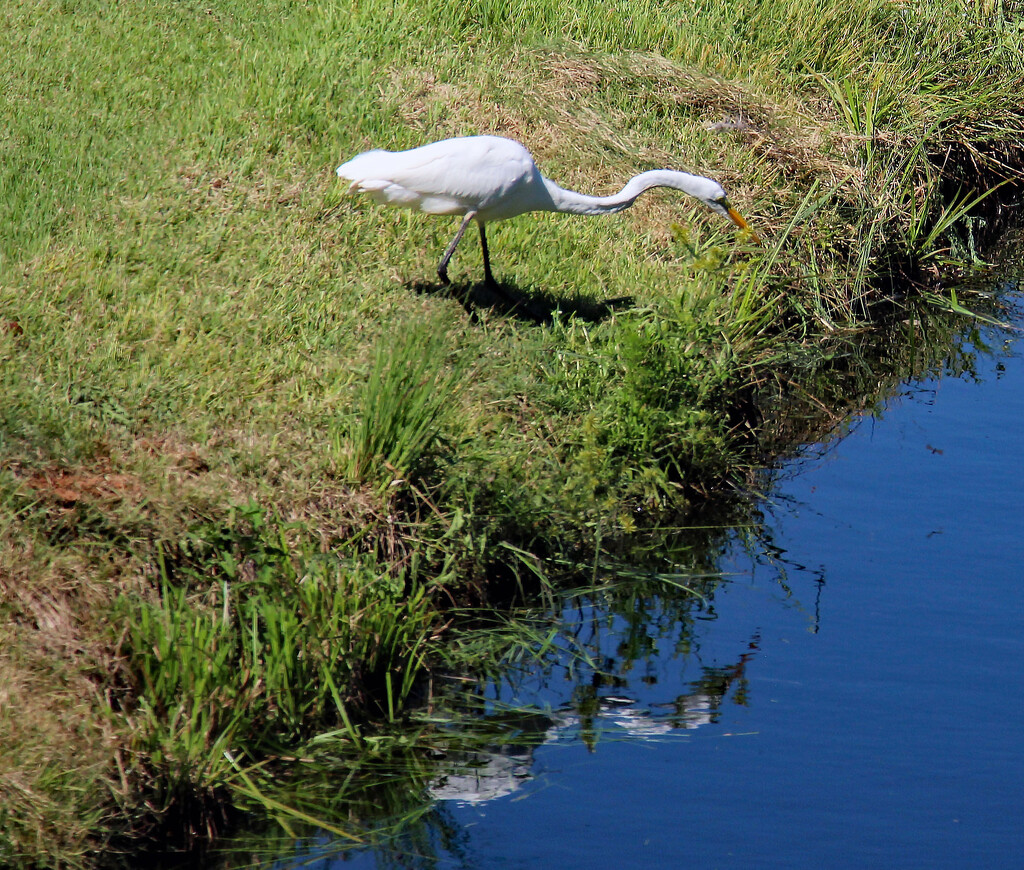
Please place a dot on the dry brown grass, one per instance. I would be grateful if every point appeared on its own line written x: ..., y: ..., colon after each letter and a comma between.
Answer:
x: 55, y: 666
x: 557, y: 102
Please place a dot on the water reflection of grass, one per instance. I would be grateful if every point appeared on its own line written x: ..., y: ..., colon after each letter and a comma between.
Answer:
x: 470, y: 746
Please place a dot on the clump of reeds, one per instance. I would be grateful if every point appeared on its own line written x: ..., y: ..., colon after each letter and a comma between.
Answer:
x: 401, y: 407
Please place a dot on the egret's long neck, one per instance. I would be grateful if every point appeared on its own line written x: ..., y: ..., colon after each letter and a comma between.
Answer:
x: 570, y: 202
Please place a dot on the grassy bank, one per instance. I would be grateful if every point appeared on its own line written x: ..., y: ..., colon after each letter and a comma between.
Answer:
x: 250, y: 453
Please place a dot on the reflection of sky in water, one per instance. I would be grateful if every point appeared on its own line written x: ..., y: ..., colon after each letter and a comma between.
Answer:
x: 872, y: 715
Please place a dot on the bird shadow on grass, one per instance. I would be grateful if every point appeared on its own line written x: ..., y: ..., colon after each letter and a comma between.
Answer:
x: 510, y: 301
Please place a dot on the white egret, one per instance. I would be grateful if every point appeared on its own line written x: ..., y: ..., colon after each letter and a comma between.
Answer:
x: 490, y: 178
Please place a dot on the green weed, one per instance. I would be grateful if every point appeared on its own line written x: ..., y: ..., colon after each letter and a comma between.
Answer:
x: 263, y: 647
x: 401, y: 408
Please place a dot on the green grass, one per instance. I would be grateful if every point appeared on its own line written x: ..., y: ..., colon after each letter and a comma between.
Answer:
x: 245, y: 667
x: 232, y: 418
x: 400, y: 409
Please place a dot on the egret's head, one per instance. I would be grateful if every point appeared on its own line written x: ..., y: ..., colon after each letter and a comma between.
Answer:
x: 719, y: 202
x: 732, y: 214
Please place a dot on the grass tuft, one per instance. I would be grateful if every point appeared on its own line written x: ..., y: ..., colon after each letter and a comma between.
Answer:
x: 401, y: 408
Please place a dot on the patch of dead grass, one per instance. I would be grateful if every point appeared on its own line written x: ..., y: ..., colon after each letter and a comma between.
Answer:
x: 567, y: 106
x: 59, y: 743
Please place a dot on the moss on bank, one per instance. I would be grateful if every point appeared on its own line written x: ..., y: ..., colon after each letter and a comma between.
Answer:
x: 232, y: 415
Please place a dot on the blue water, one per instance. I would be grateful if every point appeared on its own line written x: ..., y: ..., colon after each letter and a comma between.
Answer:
x: 867, y: 674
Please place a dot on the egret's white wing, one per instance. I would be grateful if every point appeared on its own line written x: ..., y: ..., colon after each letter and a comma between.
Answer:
x: 451, y: 177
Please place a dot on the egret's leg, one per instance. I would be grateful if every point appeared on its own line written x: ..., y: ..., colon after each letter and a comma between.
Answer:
x: 442, y: 267
x: 488, y: 277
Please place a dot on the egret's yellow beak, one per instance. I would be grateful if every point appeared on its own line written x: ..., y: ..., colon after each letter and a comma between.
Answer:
x: 737, y: 219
